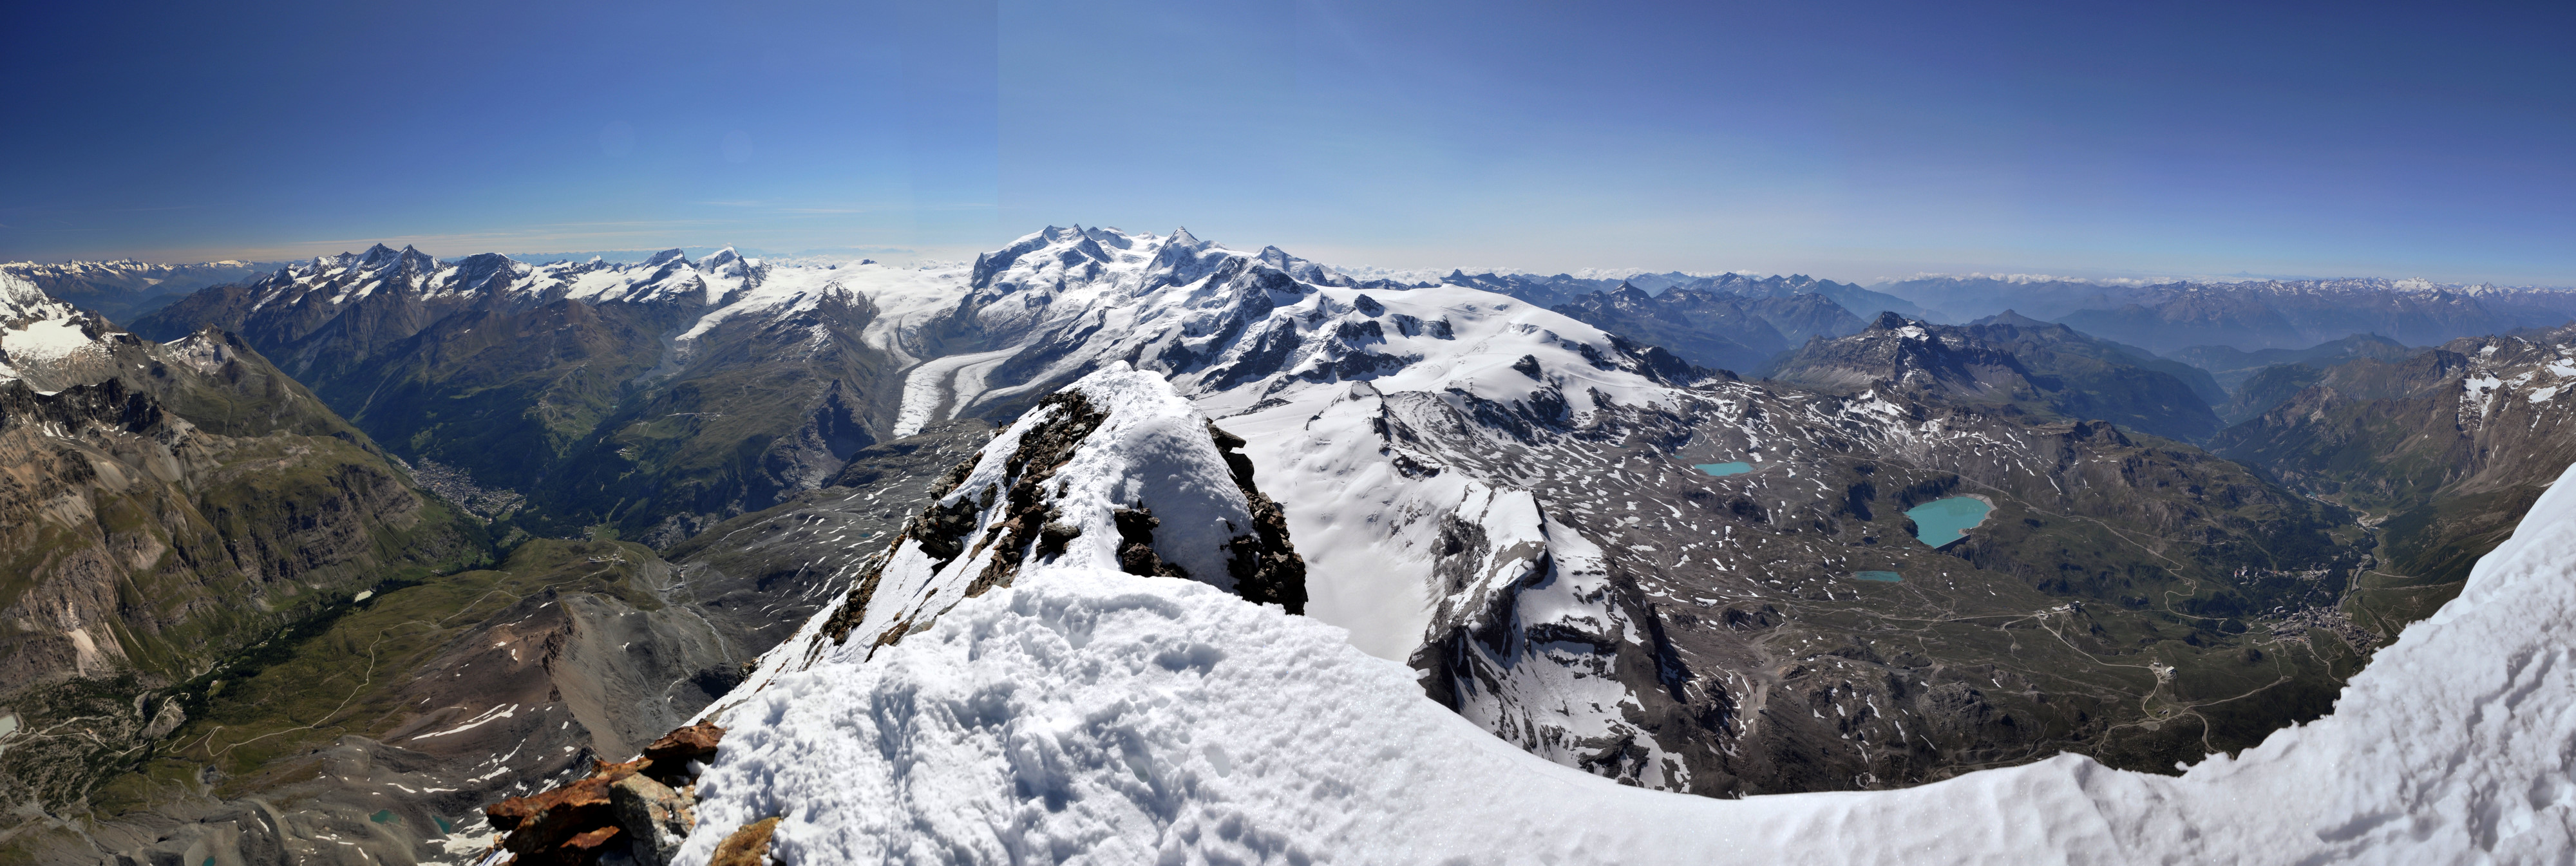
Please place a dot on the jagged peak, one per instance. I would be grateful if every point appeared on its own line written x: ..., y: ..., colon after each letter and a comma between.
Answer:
x: 666, y: 257
x: 1888, y: 320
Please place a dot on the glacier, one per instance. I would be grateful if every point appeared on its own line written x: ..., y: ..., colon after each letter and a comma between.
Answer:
x: 1084, y: 715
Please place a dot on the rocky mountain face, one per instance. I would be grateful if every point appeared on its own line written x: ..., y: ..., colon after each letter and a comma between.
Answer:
x: 2252, y: 315
x: 122, y: 290
x: 1722, y: 331
x: 165, y: 508
x: 655, y: 398
x: 2029, y: 366
x: 2444, y: 450
x: 169, y: 502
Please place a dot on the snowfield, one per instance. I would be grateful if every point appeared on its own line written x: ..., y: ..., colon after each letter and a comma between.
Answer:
x: 1083, y: 715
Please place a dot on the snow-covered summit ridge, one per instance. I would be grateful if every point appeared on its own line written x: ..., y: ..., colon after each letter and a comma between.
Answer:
x: 1114, y: 472
x: 719, y: 287
x: 1086, y: 716
x: 1254, y: 326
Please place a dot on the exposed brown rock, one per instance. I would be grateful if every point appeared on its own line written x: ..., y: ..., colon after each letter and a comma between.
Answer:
x: 563, y: 825
x: 670, y: 755
x: 644, y: 807
x: 748, y: 846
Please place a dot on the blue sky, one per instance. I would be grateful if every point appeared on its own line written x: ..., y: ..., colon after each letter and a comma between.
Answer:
x: 1852, y: 141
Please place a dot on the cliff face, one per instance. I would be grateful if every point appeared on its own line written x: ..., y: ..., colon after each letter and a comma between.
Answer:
x: 139, y: 539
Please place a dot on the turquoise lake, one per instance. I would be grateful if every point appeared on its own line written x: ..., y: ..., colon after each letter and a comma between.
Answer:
x: 1724, y: 468
x: 1879, y: 576
x: 1942, y: 521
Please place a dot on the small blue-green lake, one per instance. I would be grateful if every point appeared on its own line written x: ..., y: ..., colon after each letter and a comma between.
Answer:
x: 385, y: 816
x: 1942, y: 521
x: 1879, y: 576
x: 1737, y: 468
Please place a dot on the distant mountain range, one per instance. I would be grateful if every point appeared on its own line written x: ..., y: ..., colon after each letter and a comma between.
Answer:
x: 122, y: 290
x: 2253, y: 315
x: 1561, y: 288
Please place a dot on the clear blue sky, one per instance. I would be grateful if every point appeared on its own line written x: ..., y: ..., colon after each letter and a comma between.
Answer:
x: 1853, y: 141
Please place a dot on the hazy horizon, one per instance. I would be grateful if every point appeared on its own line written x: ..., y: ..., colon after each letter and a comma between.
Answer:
x: 1859, y: 141
x: 908, y: 256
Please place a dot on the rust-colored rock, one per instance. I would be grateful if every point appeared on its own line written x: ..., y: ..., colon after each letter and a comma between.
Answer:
x: 671, y: 755
x: 563, y: 825
x: 748, y: 846
x: 642, y: 807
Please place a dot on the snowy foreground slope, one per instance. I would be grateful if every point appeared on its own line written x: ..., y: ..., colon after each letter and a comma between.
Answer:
x: 1079, y: 714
